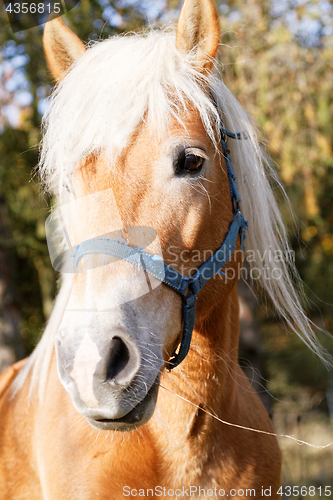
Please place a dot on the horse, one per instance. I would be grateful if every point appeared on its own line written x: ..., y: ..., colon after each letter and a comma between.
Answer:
x: 135, y: 387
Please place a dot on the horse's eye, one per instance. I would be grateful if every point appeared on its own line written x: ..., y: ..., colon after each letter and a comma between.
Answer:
x: 188, y: 162
x: 193, y: 163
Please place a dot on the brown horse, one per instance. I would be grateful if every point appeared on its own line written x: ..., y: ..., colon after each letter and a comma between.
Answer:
x: 132, y: 140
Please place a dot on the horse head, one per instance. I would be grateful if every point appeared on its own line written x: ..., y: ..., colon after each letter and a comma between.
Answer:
x: 152, y: 174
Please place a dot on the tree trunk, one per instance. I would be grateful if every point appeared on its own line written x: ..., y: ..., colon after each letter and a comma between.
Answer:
x: 11, y: 345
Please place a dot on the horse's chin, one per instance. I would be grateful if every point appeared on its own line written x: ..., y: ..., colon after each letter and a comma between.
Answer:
x: 136, y: 417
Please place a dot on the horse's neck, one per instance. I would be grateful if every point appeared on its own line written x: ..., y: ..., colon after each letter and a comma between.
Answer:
x: 205, y: 384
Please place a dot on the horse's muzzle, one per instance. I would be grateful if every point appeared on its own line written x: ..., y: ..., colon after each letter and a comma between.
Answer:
x: 138, y: 416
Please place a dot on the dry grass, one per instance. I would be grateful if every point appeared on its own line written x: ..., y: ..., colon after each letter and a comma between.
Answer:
x: 304, y: 465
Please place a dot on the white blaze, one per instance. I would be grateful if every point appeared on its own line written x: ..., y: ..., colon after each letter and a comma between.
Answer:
x: 85, y: 362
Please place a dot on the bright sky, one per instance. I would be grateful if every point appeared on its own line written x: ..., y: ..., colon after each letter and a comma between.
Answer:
x: 13, y: 71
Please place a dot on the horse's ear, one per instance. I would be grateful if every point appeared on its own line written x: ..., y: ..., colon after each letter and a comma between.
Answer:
x: 198, y: 31
x: 62, y: 47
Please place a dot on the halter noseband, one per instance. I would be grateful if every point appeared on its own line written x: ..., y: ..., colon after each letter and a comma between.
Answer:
x: 187, y: 287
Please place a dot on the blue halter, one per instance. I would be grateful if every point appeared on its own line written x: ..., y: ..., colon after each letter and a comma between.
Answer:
x: 187, y: 287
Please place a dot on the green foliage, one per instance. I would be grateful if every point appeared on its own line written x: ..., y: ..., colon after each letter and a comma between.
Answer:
x: 281, y: 70
x: 24, y: 74
x: 288, y: 88
x: 26, y: 210
x: 281, y: 76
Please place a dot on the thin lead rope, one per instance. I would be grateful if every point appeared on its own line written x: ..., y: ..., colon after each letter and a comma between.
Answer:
x: 258, y: 431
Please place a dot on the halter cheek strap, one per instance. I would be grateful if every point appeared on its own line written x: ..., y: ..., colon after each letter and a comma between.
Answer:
x: 187, y: 287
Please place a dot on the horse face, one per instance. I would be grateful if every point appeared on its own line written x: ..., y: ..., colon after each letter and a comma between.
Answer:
x: 113, y: 341
x: 111, y: 346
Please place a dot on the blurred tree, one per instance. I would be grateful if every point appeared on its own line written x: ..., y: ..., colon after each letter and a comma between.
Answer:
x: 277, y: 60
x: 284, y: 79
x: 24, y: 87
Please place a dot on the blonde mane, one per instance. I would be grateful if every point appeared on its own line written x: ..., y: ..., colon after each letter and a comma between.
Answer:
x: 99, y: 105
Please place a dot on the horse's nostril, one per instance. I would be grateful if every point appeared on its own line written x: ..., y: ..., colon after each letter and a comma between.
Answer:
x: 119, y: 358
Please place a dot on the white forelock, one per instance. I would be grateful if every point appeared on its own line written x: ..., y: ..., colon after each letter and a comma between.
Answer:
x: 115, y: 85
